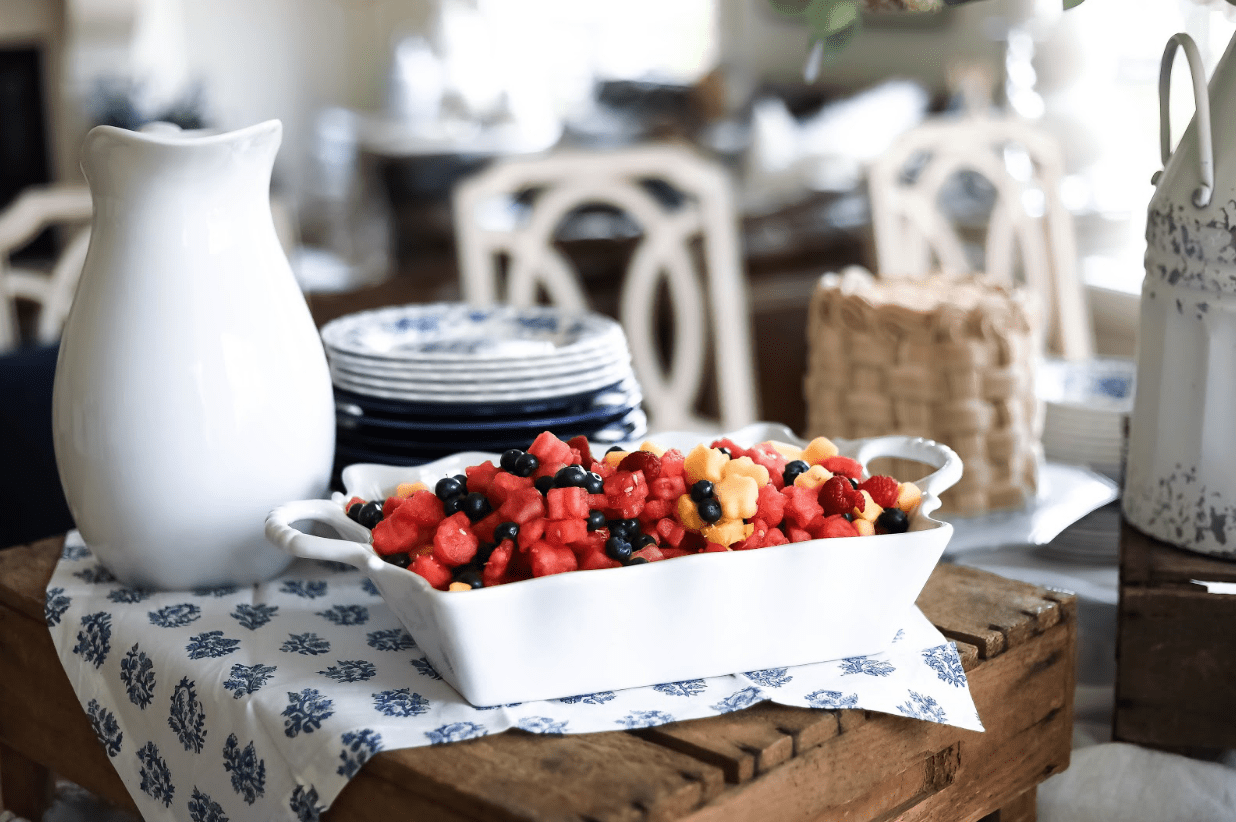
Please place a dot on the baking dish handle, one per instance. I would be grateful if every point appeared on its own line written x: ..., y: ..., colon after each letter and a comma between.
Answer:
x: 352, y: 549
x: 937, y: 455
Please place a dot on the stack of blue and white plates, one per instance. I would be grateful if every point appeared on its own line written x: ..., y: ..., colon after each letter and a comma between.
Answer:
x: 418, y: 382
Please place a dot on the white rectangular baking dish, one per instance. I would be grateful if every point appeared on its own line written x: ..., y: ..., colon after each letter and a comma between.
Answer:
x: 685, y: 618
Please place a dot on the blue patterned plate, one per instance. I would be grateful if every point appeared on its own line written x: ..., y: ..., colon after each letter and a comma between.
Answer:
x: 456, y: 332
x: 363, y: 405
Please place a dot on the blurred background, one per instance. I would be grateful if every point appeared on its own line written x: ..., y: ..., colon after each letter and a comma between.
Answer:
x: 386, y: 104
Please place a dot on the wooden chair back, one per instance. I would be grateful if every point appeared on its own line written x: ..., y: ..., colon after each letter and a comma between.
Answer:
x: 1029, y: 233
x: 35, y: 209
x: 567, y: 181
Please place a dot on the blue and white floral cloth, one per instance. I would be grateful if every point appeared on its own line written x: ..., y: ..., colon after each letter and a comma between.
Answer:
x: 261, y: 702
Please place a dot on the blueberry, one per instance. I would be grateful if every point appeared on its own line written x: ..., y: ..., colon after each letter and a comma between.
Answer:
x: 571, y: 476
x: 525, y: 465
x: 506, y: 530
x: 453, y: 505
x: 614, y: 448
x: 636, y: 561
x: 469, y: 577
x: 709, y: 509
x: 893, y: 521
x: 701, y: 491
x: 596, y: 520
x: 725, y: 451
x: 403, y: 560
x: 618, y: 549
x: 369, y: 515
x: 543, y: 484
x: 593, y: 483
x: 849, y: 516
x: 463, y: 480
x: 507, y: 462
x: 644, y: 540
x: 792, y: 469
x: 853, y: 483
x: 449, y: 487
x: 354, y: 510
x: 476, y: 506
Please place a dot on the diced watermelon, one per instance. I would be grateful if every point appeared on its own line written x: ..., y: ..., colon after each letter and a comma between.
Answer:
x: 530, y: 532
x: 484, y: 529
x: 547, y: 559
x: 392, y: 502
x: 649, y: 552
x: 835, y: 526
x: 671, y: 553
x: 548, y: 469
x: 353, y: 501
x: 549, y: 449
x: 494, y: 572
x: 565, y: 531
x: 844, y: 466
x: 592, y: 541
x: 656, y: 509
x: 454, y: 543
x: 642, y: 461
x: 581, y: 445
x: 801, y: 505
x: 672, y: 464
x: 424, y: 507
x: 770, y: 505
x: 668, y: 488
x: 671, y: 532
x: 480, y: 476
x: 692, y: 541
x: 735, y: 450
x: 437, y: 574
x: 597, y: 502
x: 772, y: 459
x: 797, y: 534
x: 504, y: 484
x: 522, y: 506
x: 396, y: 534
x: 713, y: 548
x: 592, y: 560
x: 775, y: 536
x: 567, y: 503
x: 603, y: 469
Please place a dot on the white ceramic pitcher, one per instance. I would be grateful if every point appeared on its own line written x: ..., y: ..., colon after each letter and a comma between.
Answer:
x: 1180, y: 477
x: 192, y: 393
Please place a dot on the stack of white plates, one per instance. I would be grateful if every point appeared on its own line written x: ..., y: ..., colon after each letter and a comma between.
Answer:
x: 418, y: 382
x: 1094, y: 539
x: 1086, y: 406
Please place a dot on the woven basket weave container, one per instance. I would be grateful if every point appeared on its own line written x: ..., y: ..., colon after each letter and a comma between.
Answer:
x: 944, y: 358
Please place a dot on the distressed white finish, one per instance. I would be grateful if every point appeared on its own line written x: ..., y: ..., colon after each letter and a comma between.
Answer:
x: 913, y: 237
x: 568, y: 180
x: 34, y: 210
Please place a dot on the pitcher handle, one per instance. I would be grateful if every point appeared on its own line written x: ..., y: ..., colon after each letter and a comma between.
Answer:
x: 1201, y: 101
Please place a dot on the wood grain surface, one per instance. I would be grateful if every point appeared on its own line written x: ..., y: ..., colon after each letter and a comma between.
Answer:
x: 1016, y: 641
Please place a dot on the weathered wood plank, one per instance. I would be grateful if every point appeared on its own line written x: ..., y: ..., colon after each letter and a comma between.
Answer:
x: 989, y: 612
x: 1025, y: 699
x: 517, y: 776
x: 1176, y: 668
x: 1147, y: 561
x: 24, y: 572
x: 39, y: 714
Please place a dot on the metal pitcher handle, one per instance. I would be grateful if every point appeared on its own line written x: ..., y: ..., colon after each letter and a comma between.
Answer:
x: 1201, y: 101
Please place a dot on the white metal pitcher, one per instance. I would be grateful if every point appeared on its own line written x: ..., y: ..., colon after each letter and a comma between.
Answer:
x: 1180, y: 476
x: 192, y: 394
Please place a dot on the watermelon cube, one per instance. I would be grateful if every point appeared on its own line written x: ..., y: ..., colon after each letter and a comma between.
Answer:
x: 454, y: 543
x: 530, y: 532
x: 565, y: 531
x: 567, y: 503
x: 398, y: 533
x: 547, y: 559
x: 504, y: 484
x: 392, y: 502
x: 672, y: 464
x: 434, y: 572
x: 801, y: 505
x: 770, y: 505
x: 522, y: 506
x: 480, y: 476
x: 424, y: 507
x: 652, y: 553
x: 549, y: 449
x: 494, y: 572
x: 669, y: 488
x: 582, y: 448
x: 595, y: 559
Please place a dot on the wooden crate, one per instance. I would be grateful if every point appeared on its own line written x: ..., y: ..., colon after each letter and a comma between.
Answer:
x: 1017, y: 643
x: 1175, y: 647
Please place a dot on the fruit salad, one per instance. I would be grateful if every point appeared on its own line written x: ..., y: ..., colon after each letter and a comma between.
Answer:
x: 556, y: 507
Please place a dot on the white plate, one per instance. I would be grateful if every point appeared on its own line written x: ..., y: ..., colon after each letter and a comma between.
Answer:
x: 695, y: 616
x: 472, y: 372
x: 614, y: 372
x: 456, y: 332
x: 481, y: 395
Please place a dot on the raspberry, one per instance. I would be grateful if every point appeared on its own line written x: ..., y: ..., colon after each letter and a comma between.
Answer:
x: 644, y: 461
x: 837, y: 496
x: 882, y: 489
x: 844, y: 466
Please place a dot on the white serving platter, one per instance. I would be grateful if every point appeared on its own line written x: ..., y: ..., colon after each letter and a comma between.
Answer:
x: 695, y: 616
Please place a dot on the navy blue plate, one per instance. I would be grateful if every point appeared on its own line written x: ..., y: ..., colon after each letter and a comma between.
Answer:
x: 579, y: 403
